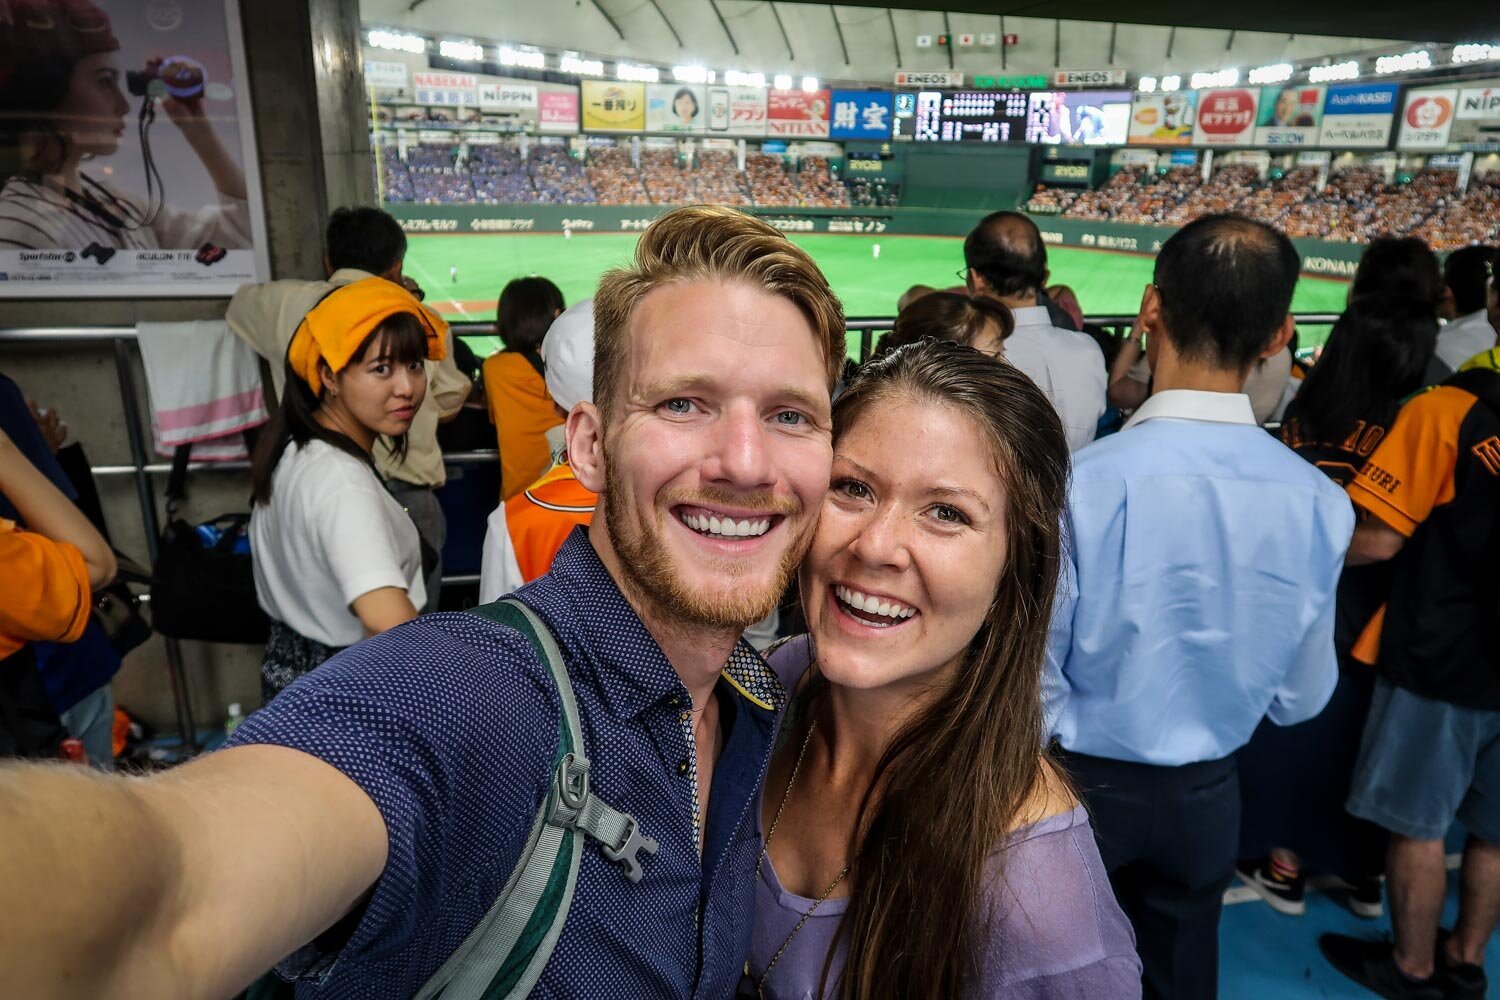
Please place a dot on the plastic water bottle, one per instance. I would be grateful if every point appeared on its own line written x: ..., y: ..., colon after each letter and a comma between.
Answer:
x: 235, y: 720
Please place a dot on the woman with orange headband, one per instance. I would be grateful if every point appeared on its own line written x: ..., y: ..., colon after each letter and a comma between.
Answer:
x: 336, y: 558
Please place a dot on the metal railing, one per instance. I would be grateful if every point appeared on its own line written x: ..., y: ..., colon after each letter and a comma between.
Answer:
x: 141, y: 469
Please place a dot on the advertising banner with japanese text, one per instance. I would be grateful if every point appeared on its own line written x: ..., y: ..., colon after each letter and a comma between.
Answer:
x: 609, y: 106
x: 747, y: 111
x: 672, y: 107
x: 1289, y: 115
x: 1226, y: 117
x: 136, y: 177
x: 797, y: 114
x: 861, y: 114
x: 1476, y: 117
x: 1359, y: 115
x: 1427, y: 121
x: 445, y: 89
x: 1163, y: 119
x: 558, y: 110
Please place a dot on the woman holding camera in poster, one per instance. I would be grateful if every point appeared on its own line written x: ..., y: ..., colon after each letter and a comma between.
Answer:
x: 62, y: 104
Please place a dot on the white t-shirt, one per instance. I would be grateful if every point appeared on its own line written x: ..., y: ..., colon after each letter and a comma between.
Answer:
x: 330, y: 534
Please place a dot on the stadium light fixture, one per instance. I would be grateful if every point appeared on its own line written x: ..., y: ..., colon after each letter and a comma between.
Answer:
x: 522, y: 57
x: 461, y: 49
x: 637, y: 74
x: 1475, y: 52
x: 1338, y: 71
x: 1147, y: 85
x: 572, y: 62
x: 395, y: 41
x: 810, y: 84
x: 783, y: 81
x: 1407, y: 62
x: 1171, y: 84
x: 735, y: 78
x: 689, y: 74
x: 1275, y: 73
x: 1223, y: 78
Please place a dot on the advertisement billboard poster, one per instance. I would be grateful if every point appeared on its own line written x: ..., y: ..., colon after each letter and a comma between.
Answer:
x: 1289, y: 115
x: 507, y: 95
x: 150, y: 186
x: 1082, y: 118
x: 746, y: 110
x: 1476, y: 124
x: 1163, y: 119
x: 609, y: 106
x: 1226, y: 117
x: 558, y: 110
x: 445, y: 89
x: 797, y: 114
x: 1359, y: 115
x: 675, y: 107
x: 383, y: 76
x: 1427, y: 121
x: 861, y: 114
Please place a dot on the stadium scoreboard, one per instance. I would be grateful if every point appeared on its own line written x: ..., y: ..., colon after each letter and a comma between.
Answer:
x: 960, y: 116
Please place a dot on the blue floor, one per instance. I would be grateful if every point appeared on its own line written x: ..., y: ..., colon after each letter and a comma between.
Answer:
x: 1266, y: 955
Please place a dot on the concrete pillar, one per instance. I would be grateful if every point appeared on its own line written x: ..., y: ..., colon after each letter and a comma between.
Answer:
x: 311, y: 121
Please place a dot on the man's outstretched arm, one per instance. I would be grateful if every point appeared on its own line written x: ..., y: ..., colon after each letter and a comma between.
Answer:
x: 188, y: 884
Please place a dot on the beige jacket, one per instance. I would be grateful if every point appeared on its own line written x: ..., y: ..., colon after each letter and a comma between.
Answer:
x: 266, y: 316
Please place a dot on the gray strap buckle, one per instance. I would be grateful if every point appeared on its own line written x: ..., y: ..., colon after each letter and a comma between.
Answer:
x: 626, y: 852
x: 570, y: 790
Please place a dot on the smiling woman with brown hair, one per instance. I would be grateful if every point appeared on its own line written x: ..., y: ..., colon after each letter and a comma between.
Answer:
x: 918, y: 840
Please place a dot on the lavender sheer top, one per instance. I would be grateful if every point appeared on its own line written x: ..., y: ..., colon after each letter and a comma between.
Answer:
x: 1055, y: 929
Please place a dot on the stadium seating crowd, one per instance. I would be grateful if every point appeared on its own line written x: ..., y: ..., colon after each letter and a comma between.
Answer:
x: 818, y: 187
x: 719, y: 181
x: 615, y: 178
x: 1355, y: 206
x: 667, y: 183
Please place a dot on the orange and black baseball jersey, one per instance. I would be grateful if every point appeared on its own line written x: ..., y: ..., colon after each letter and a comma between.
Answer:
x: 1362, y: 589
x: 1436, y: 479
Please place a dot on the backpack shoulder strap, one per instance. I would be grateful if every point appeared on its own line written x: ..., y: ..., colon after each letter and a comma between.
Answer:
x: 504, y: 955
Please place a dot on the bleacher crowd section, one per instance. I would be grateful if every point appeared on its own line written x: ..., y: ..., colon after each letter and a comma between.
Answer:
x: 436, y: 174
x: 1356, y: 205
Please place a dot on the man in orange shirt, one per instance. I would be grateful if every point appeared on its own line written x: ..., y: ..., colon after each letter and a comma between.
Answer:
x: 525, y: 531
x: 1431, y: 747
x: 520, y: 407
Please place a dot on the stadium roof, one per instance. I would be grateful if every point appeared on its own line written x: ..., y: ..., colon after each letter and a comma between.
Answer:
x: 858, y: 42
x: 1430, y: 22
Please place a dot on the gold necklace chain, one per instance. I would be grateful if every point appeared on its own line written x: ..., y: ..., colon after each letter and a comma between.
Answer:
x: 760, y: 988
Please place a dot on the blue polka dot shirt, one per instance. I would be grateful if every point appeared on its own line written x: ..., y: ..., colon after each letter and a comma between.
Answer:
x: 450, y: 723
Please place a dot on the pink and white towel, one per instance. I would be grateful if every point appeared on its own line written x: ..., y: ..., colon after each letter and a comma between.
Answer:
x: 205, y: 388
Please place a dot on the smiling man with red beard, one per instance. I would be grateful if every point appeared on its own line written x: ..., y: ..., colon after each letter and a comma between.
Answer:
x: 365, y: 822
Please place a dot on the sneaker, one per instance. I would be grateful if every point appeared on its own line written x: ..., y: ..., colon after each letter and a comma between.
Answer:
x: 1458, y: 980
x: 1284, y: 894
x: 1364, y: 898
x: 1372, y: 965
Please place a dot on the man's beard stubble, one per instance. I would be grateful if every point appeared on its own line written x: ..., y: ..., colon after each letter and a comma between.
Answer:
x: 649, y: 571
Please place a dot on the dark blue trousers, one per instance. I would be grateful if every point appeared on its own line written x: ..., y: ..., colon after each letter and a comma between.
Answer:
x: 1169, y: 838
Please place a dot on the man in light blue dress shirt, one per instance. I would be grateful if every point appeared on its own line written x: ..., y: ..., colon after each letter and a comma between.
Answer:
x: 1204, y: 557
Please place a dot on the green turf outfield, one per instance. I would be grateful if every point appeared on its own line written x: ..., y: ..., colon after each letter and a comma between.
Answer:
x: 1106, y: 283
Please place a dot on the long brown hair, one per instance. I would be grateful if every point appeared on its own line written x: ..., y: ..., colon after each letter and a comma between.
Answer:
x: 952, y: 783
